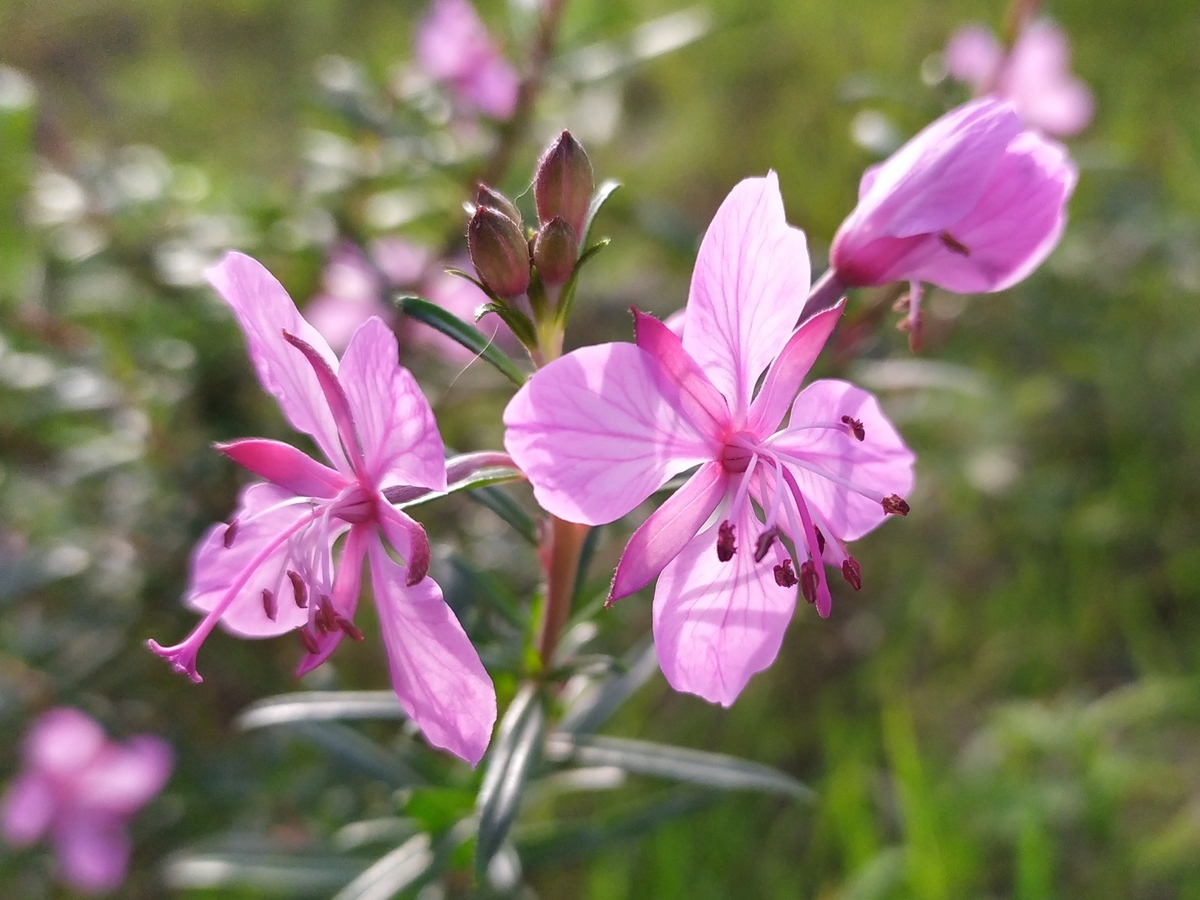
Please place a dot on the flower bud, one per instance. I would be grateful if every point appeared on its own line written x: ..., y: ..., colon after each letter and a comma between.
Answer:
x: 555, y: 250
x: 499, y: 252
x: 562, y: 183
x: 489, y: 196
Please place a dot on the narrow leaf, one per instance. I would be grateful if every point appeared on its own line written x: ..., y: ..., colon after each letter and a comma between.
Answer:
x: 320, y: 706
x: 466, y: 334
x: 514, y: 752
x: 714, y: 770
x: 265, y: 872
x: 507, y: 509
x: 517, y: 321
x: 599, y: 198
x: 393, y: 872
x: 480, y: 478
x: 600, y: 700
x: 566, y: 297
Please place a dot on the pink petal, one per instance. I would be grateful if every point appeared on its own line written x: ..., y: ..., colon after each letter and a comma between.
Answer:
x: 668, y: 530
x: 125, y: 777
x: 973, y: 55
x: 1038, y: 79
x: 491, y: 88
x: 264, y: 311
x: 337, y: 318
x: 436, y: 673
x: 335, y: 399
x: 62, y: 742
x: 1016, y: 223
x: 717, y: 623
x: 788, y: 371
x: 699, y: 400
x: 92, y: 851
x: 215, y: 567
x: 285, y: 466
x: 880, y: 463
x: 28, y: 806
x: 399, y: 437
x: 409, y: 541
x: 347, y: 585
x: 598, y: 431
x: 748, y: 287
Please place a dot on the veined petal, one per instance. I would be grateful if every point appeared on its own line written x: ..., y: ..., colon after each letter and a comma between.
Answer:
x: 92, y: 851
x: 1012, y: 229
x: 436, y: 673
x: 408, y: 539
x: 668, y: 530
x: 788, y: 371
x: 126, y: 776
x: 880, y: 462
x: 717, y: 623
x: 748, y: 287
x: 599, y: 430
x: 700, y: 401
x: 285, y: 466
x: 264, y: 311
x: 399, y: 436
x: 335, y: 398
x: 215, y: 567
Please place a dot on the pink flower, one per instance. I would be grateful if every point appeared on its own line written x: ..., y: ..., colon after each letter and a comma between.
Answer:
x: 455, y: 48
x: 80, y: 789
x: 601, y: 429
x: 272, y: 568
x: 973, y: 203
x: 1035, y: 75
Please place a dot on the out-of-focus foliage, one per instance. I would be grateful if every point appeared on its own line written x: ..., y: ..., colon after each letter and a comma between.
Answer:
x: 1008, y: 708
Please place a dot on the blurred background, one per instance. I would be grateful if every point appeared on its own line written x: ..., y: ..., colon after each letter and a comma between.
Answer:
x: 1011, y: 705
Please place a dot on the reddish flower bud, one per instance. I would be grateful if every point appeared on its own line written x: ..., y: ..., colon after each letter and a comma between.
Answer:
x: 489, y: 196
x: 555, y: 250
x: 499, y: 252
x: 563, y: 183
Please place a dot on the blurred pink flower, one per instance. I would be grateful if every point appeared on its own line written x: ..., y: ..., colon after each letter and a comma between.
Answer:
x: 1035, y: 75
x: 453, y: 46
x: 973, y: 203
x: 604, y: 427
x: 79, y: 789
x: 272, y: 568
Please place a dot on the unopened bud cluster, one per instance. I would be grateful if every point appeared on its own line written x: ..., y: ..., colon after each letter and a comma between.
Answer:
x: 507, y: 258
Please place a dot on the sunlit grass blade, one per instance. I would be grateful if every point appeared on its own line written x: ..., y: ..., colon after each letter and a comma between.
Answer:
x: 602, y: 699
x: 260, y: 872
x: 321, y: 706
x: 714, y: 770
x: 507, y: 509
x: 393, y: 872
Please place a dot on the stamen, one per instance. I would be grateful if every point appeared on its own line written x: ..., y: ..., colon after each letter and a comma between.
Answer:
x: 326, y: 617
x: 230, y: 533
x: 765, y: 540
x: 856, y: 427
x: 784, y: 576
x: 270, y: 604
x: 953, y: 244
x: 809, y: 581
x: 309, y: 641
x: 348, y: 628
x: 820, y: 538
x: 852, y: 573
x: 299, y: 591
x: 810, y: 466
x: 894, y: 505
x: 725, y: 545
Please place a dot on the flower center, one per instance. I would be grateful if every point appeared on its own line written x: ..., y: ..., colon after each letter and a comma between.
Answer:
x: 738, y: 451
x: 354, y: 505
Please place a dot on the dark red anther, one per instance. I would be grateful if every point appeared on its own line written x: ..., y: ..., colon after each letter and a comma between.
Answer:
x: 725, y: 546
x: 852, y: 573
x: 299, y: 591
x: 953, y: 244
x: 808, y: 581
x: 894, y: 505
x: 309, y: 641
x: 348, y: 628
x: 856, y: 427
x: 326, y: 618
x: 230, y: 534
x: 765, y: 540
x: 270, y: 604
x: 784, y: 576
x: 820, y: 540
